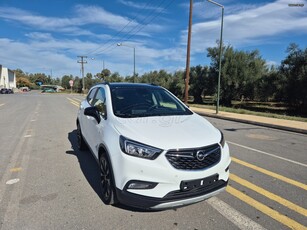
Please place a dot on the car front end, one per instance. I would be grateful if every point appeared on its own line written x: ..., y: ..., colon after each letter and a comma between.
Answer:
x: 170, y: 172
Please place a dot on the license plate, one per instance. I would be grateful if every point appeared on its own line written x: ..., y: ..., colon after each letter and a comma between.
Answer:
x: 193, y: 184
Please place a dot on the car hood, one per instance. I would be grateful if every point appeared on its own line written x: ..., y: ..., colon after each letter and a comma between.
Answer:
x: 169, y: 132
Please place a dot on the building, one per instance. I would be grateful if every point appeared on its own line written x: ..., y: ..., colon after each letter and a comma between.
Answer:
x: 7, y: 78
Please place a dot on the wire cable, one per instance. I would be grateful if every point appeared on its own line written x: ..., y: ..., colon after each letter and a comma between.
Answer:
x: 124, y: 27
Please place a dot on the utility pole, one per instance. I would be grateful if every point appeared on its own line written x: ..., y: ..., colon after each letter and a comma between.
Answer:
x: 187, y: 76
x: 82, y: 70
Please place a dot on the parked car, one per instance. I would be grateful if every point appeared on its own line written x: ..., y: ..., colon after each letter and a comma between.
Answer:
x: 153, y: 151
x: 48, y: 90
x: 3, y: 91
x: 10, y: 91
x: 24, y: 89
x: 6, y: 91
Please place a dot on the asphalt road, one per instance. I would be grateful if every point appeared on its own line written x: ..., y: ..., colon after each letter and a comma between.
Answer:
x: 46, y: 183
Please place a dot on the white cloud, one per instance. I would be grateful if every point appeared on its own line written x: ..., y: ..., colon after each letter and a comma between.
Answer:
x: 44, y: 52
x: 252, y: 26
x: 84, y: 15
x: 142, y: 5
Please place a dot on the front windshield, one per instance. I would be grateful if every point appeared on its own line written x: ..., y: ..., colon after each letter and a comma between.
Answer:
x: 145, y: 102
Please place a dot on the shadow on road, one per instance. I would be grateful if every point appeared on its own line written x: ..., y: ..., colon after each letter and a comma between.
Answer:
x: 90, y: 169
x: 87, y: 163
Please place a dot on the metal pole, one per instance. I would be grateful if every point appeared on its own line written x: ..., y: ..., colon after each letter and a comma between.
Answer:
x: 121, y: 44
x: 82, y: 72
x: 220, y: 57
x: 187, y: 76
x: 134, y: 64
x: 220, y: 65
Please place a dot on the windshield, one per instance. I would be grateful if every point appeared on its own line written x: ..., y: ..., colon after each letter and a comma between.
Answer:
x: 145, y: 101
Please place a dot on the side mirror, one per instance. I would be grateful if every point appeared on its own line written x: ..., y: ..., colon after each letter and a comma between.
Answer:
x: 92, y: 112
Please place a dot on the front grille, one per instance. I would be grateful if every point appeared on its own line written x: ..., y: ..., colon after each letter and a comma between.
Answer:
x: 193, y: 159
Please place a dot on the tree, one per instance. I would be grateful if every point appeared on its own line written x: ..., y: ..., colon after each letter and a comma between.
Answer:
x: 201, y: 83
x: 19, y: 73
x: 161, y: 78
x: 115, y: 77
x: 176, y: 85
x: 240, y: 71
x: 294, y: 70
x: 65, y: 81
x: 105, y: 73
x: 56, y: 81
x: 40, y: 77
x: 23, y: 81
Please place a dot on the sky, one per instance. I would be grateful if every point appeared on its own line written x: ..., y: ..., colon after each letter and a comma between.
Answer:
x: 43, y: 36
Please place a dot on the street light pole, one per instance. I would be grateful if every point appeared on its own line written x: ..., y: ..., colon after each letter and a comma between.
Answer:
x: 133, y: 64
x: 121, y: 44
x: 220, y: 56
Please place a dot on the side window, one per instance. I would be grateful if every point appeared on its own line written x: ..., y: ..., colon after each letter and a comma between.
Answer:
x: 99, y: 101
x: 90, y: 96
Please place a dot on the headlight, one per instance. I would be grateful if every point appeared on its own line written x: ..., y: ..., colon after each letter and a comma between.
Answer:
x: 137, y: 149
x: 222, y: 141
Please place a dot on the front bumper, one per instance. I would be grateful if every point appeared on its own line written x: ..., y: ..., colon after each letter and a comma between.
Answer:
x: 173, y: 199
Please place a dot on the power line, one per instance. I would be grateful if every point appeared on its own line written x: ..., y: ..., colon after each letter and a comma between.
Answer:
x: 140, y: 27
x: 153, y: 18
x: 112, y: 38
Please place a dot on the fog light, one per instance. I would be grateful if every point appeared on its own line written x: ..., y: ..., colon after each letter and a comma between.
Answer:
x: 140, y: 185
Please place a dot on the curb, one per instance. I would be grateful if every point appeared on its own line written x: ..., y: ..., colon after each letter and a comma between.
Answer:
x: 284, y: 128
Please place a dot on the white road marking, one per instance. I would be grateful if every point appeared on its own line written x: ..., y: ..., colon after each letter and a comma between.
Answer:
x: 28, y: 136
x: 1, y: 104
x: 237, y: 218
x: 13, y: 181
x: 268, y: 154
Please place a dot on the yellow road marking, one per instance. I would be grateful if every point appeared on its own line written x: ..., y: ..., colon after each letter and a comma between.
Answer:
x: 77, y: 99
x: 69, y: 99
x: 269, y: 173
x: 265, y: 209
x: 269, y: 195
x: 15, y: 169
x: 268, y: 154
x: 75, y: 103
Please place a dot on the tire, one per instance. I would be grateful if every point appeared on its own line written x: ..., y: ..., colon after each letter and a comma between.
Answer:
x: 106, y: 181
x: 81, y: 143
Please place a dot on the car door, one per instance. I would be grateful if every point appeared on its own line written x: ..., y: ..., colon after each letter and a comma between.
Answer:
x: 85, y: 121
x: 95, y: 128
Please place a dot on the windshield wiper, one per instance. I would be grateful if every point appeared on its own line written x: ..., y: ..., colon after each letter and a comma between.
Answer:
x: 124, y: 115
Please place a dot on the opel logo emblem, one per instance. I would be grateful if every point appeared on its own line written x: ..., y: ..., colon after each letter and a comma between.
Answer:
x: 201, y: 154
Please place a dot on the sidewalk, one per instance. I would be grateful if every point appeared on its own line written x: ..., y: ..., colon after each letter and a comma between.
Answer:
x: 288, y: 125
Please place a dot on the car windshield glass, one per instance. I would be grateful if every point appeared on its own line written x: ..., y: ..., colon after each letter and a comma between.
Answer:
x: 145, y: 102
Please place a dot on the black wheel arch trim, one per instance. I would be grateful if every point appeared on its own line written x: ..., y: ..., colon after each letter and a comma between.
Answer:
x: 106, y: 153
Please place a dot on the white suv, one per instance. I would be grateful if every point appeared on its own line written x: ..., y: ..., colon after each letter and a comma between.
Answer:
x: 153, y: 152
